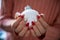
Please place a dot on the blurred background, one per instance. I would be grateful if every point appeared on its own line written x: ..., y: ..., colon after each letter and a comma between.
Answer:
x: 3, y: 34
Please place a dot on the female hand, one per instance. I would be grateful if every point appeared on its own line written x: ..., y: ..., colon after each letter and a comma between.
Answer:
x: 20, y: 27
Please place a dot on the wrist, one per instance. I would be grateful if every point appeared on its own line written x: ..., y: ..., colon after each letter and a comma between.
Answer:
x: 6, y: 24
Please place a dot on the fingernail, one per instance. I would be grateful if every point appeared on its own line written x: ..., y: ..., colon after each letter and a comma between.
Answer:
x: 28, y: 28
x: 31, y: 27
x: 38, y: 17
x: 27, y: 24
x: 22, y: 16
x: 33, y: 23
x: 16, y: 33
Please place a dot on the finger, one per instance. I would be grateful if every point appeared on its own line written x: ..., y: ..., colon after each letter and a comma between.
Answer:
x: 33, y: 33
x: 20, y: 26
x: 27, y: 33
x: 23, y: 31
x: 40, y: 27
x: 43, y: 22
x: 36, y: 31
x: 17, y: 21
x: 17, y: 14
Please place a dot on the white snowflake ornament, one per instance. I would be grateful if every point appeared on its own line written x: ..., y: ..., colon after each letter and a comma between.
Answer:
x: 30, y: 15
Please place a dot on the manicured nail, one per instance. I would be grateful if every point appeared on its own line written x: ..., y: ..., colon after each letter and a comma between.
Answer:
x: 16, y: 33
x: 33, y: 23
x: 22, y: 16
x: 31, y: 27
x: 27, y: 24
x: 28, y: 28
x: 38, y: 17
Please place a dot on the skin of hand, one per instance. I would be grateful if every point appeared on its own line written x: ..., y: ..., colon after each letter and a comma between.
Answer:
x: 19, y: 26
x: 40, y: 21
x: 39, y: 28
x: 22, y: 30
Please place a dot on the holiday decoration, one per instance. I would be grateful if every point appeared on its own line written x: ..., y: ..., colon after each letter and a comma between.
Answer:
x: 30, y: 15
